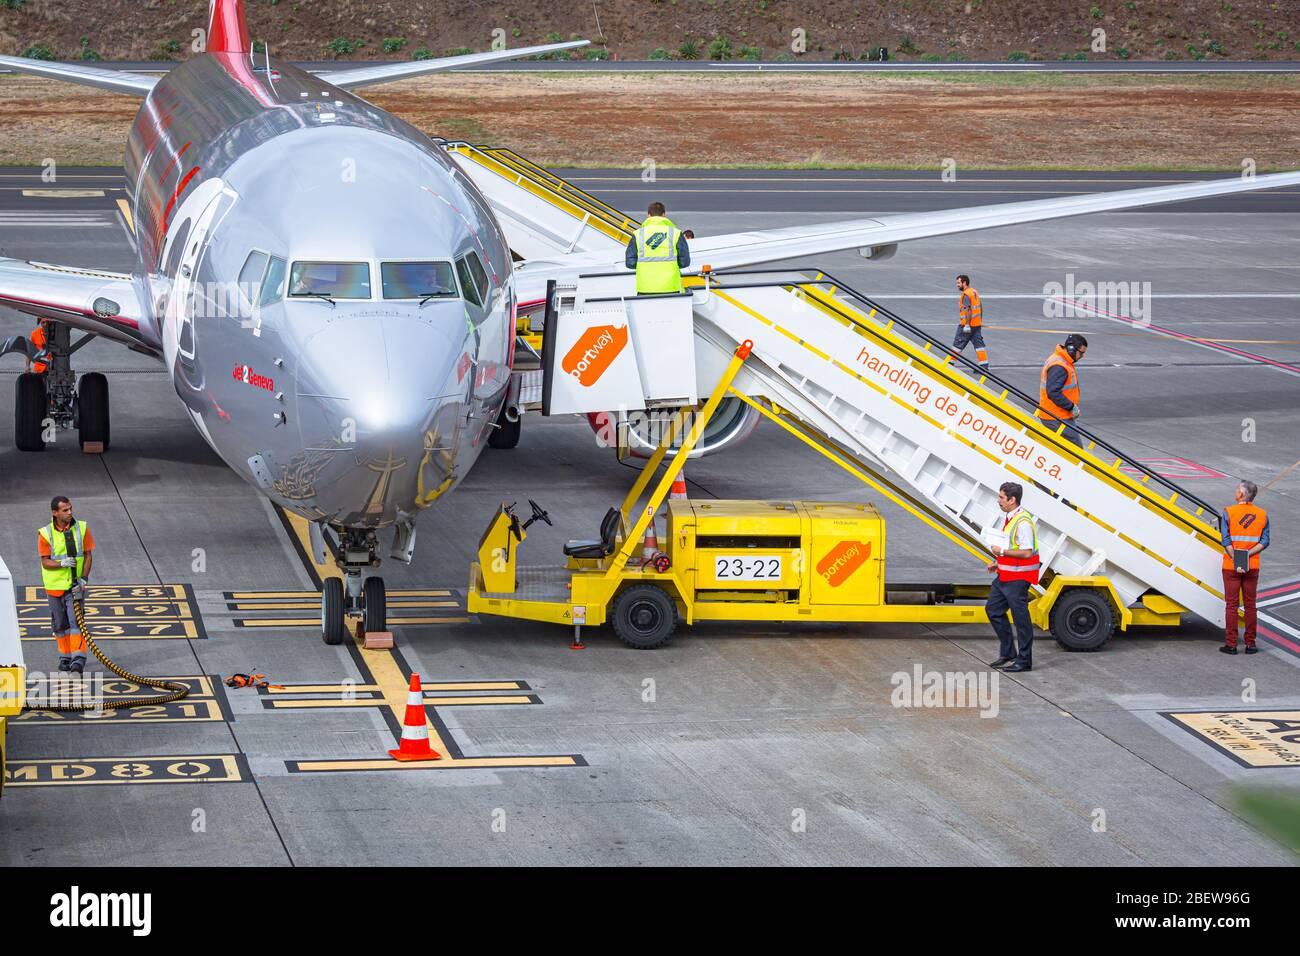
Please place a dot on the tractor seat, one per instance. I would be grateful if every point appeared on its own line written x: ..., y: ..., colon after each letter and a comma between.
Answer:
x: 602, y: 548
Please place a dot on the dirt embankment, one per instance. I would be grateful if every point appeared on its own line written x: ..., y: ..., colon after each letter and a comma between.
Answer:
x: 989, y: 121
x: 633, y: 29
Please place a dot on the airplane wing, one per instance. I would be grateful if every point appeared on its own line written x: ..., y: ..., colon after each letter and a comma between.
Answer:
x: 117, y: 81
x: 388, y: 72
x: 879, y: 237
x: 106, y: 303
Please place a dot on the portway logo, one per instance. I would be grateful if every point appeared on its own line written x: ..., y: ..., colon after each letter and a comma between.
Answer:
x: 594, y: 351
x: 842, y: 560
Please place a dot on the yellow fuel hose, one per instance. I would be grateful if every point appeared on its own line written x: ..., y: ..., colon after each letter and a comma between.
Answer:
x: 175, y: 691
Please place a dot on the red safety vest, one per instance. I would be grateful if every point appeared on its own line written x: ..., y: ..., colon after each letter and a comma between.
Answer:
x: 969, y: 309
x: 1018, y: 569
x: 1245, y: 527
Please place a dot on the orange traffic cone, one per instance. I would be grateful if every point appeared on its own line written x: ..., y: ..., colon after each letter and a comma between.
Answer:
x: 414, y: 744
x: 651, y: 546
x: 679, y: 487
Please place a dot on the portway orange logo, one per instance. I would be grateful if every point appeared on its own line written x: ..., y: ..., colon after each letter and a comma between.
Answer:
x: 593, y: 352
x: 842, y: 560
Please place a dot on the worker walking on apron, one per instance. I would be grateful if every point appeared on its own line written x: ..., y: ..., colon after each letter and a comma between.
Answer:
x: 970, y: 322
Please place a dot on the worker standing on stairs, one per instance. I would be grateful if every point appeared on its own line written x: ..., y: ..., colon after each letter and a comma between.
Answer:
x: 1058, y: 387
x: 65, y: 548
x: 1245, y: 534
x: 1016, y: 568
x: 658, y: 252
x: 970, y: 322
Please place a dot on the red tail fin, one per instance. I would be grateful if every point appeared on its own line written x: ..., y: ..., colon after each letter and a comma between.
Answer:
x: 227, y: 31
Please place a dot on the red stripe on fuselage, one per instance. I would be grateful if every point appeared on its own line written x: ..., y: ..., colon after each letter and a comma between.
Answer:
x: 162, y: 223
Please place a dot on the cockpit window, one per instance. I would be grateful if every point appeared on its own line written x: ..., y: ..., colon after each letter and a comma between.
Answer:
x: 417, y: 280
x: 338, y: 280
x: 273, y: 284
x: 480, y: 276
x: 250, y: 277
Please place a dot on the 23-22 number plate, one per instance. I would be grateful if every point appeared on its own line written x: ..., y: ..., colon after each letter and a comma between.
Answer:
x: 738, y: 567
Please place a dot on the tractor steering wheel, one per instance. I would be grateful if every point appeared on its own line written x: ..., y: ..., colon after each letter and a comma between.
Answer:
x: 538, y: 513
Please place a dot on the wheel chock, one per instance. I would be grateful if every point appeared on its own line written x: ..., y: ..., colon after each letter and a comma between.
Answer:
x: 377, y: 640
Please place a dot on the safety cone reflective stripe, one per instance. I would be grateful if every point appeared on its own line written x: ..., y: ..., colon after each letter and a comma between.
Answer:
x: 414, y: 744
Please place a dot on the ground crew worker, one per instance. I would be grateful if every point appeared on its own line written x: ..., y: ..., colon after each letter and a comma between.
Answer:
x: 658, y: 252
x: 65, y: 548
x: 1245, y: 528
x: 970, y: 322
x: 39, y: 339
x: 1058, y: 387
x: 1016, y: 568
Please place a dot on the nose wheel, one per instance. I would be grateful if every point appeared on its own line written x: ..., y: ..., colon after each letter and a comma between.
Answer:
x: 353, y: 599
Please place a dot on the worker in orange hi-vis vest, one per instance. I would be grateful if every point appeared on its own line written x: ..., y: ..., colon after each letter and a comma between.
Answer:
x: 39, y: 339
x: 970, y: 322
x: 1244, y: 528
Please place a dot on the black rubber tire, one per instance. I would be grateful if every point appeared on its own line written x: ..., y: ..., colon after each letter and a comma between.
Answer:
x: 332, y: 626
x: 92, y: 409
x: 30, y: 407
x: 506, y: 434
x: 376, y: 605
x: 1082, y: 619
x: 644, y: 617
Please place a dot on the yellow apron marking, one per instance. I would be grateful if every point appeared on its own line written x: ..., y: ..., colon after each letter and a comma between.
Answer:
x: 315, y: 621
x: 123, y: 205
x: 181, y: 768
x: 63, y: 193
x: 1255, y: 739
x: 431, y: 686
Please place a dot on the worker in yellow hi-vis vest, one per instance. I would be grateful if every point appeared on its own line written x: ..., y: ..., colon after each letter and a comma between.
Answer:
x: 65, y: 548
x: 658, y: 252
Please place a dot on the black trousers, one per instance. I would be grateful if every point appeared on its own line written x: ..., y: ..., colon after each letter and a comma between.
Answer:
x: 1013, y: 596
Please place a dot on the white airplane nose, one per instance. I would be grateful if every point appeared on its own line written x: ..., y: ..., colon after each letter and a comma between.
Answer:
x: 369, y: 392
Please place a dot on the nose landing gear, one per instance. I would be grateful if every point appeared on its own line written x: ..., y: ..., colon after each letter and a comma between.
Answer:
x: 354, y: 596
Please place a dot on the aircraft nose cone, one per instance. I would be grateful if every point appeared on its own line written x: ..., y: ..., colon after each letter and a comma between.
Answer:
x: 370, y: 393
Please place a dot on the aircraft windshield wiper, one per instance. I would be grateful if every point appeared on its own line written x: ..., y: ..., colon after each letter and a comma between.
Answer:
x: 314, y: 295
x: 426, y: 296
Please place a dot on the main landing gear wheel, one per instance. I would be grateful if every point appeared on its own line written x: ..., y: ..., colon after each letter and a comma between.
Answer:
x: 30, y: 406
x: 331, y: 612
x: 1082, y: 620
x: 644, y: 617
x: 506, y: 434
x: 92, y: 410
x: 375, y: 602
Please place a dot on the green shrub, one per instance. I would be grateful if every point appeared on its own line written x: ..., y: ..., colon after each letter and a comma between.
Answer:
x: 259, y: 46
x: 1017, y: 56
x: 423, y: 53
x: 1095, y: 13
x: 1122, y: 52
x: 341, y: 46
x: 689, y: 50
x: 393, y: 44
x: 932, y: 58
x: 751, y: 53
x: 906, y: 45
x: 598, y: 54
x: 12, y: 4
x: 660, y: 54
x: 719, y: 48
x: 38, y: 51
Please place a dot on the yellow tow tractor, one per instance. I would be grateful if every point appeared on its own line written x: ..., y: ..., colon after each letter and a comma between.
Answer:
x: 768, y: 561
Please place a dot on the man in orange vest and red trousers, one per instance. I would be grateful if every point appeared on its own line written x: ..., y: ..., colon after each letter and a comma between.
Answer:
x: 1016, y: 567
x: 1245, y: 535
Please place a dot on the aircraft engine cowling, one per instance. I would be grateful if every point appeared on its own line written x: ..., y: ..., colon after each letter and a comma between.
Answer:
x: 733, y: 422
